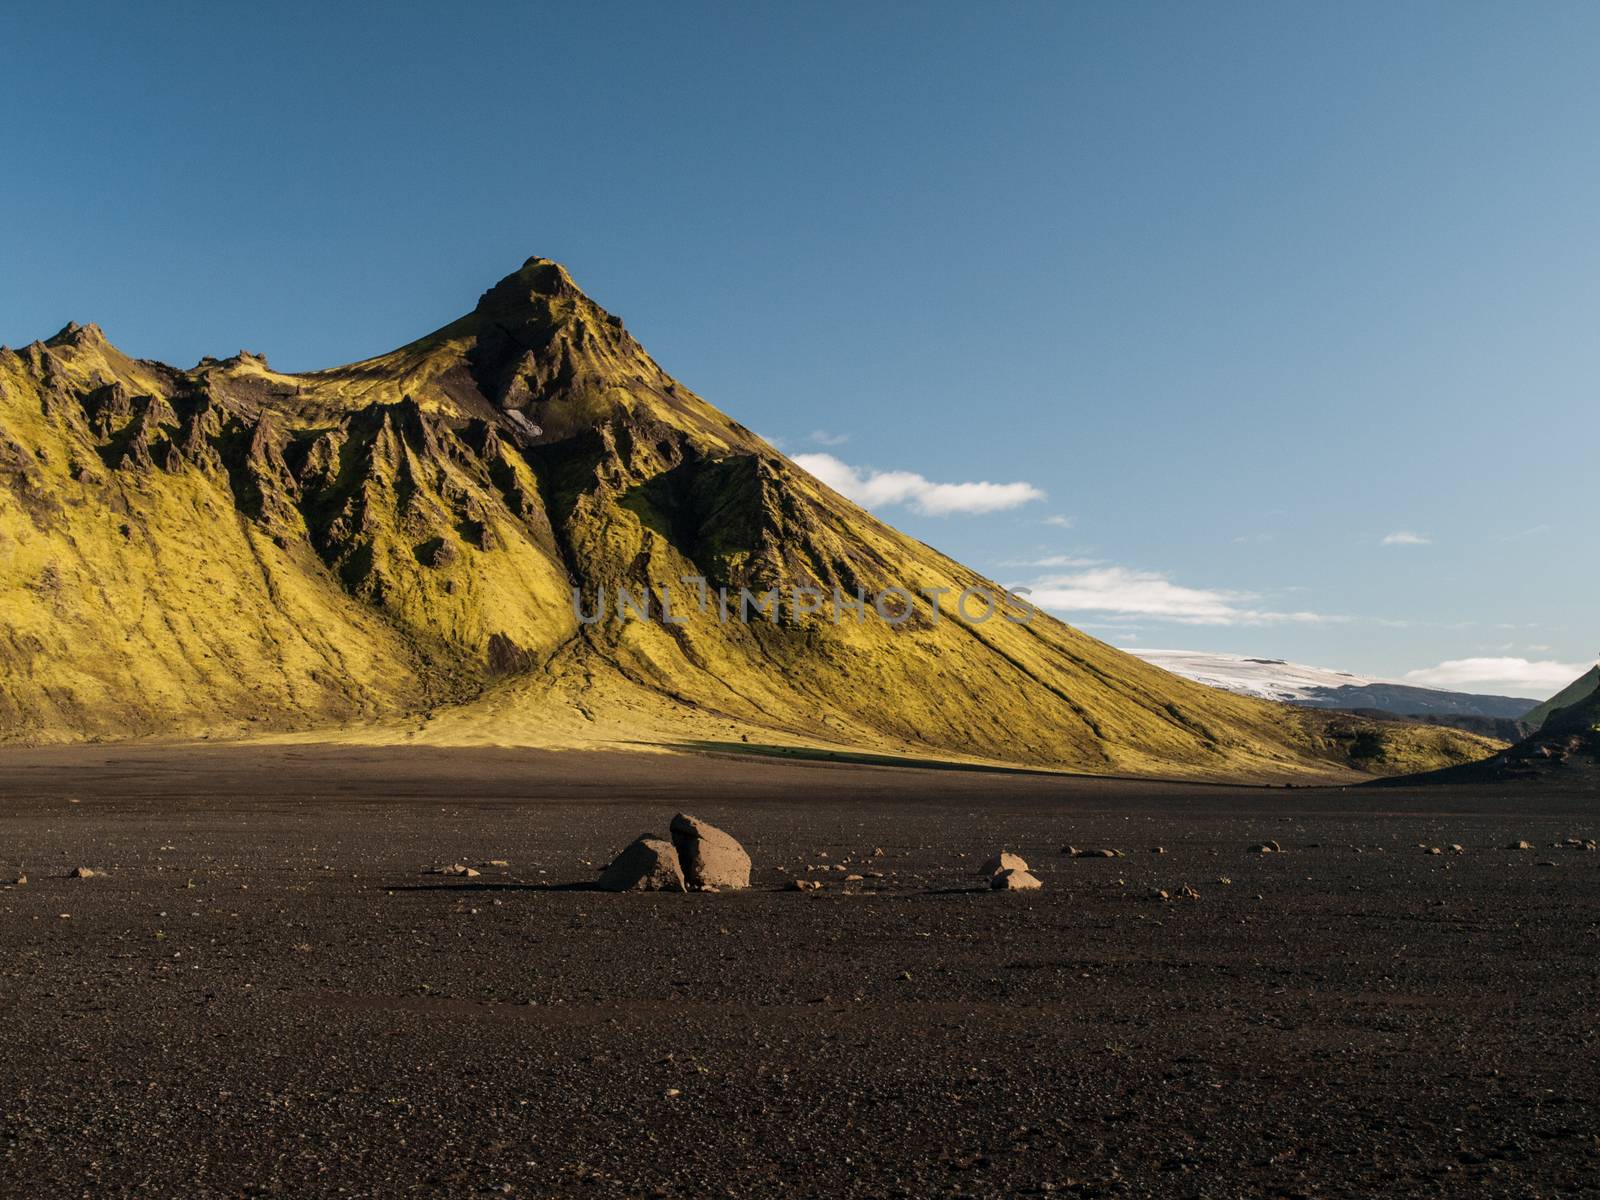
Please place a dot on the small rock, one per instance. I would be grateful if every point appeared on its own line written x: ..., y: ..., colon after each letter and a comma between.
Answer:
x: 1457, y: 848
x: 649, y: 864
x: 84, y: 873
x: 20, y: 881
x: 1433, y: 850
x: 853, y: 879
x: 1097, y: 854
x: 1264, y: 848
x: 1520, y: 845
x: 1159, y: 895
x: 1188, y: 893
x: 803, y: 885
x: 1004, y: 861
x: 1158, y: 849
x: 1013, y: 880
x: 456, y: 869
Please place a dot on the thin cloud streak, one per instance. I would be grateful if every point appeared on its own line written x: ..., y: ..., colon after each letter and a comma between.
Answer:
x: 882, y: 489
x: 1115, y: 592
x: 1538, y: 678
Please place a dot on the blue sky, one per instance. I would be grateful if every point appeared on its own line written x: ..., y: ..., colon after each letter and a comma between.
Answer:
x: 1279, y: 320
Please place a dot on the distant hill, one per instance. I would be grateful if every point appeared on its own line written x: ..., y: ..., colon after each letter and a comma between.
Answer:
x: 1583, y: 685
x: 1565, y: 750
x: 390, y: 550
x: 1319, y: 687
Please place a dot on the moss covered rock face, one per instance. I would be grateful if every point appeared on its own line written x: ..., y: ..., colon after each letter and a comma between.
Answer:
x: 393, y: 549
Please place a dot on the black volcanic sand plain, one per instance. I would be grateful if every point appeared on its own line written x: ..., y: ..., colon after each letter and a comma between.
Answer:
x: 267, y: 992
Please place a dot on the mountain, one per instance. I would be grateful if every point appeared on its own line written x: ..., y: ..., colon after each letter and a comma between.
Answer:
x: 388, y: 551
x: 1318, y: 687
x: 1584, y: 685
x: 1565, y: 750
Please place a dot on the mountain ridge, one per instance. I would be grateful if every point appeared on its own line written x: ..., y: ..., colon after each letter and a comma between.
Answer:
x: 1583, y: 686
x: 388, y: 549
x: 1320, y: 687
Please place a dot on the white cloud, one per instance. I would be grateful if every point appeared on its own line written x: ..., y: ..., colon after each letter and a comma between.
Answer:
x: 1054, y: 560
x: 1404, y: 537
x: 880, y: 489
x: 1114, y: 591
x: 1515, y: 676
x: 823, y: 438
x: 1059, y: 520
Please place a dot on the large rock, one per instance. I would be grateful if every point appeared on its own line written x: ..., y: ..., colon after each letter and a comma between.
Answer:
x: 709, y: 856
x: 1004, y: 861
x: 650, y: 864
x: 1012, y: 880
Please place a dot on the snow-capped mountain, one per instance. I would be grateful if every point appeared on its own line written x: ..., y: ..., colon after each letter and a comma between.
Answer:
x: 1319, y: 687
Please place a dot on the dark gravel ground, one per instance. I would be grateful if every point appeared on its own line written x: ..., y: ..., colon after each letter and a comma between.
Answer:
x: 266, y: 994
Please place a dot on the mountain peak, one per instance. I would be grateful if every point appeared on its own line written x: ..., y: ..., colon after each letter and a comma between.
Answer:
x: 538, y: 279
x: 73, y: 334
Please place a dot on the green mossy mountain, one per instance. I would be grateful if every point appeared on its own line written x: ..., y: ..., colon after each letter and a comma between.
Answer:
x: 1565, y: 749
x: 388, y: 550
x: 1583, y: 686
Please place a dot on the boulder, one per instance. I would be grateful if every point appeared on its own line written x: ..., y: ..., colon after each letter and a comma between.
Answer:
x: 649, y: 864
x: 1013, y: 880
x: 1004, y: 861
x: 709, y: 856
